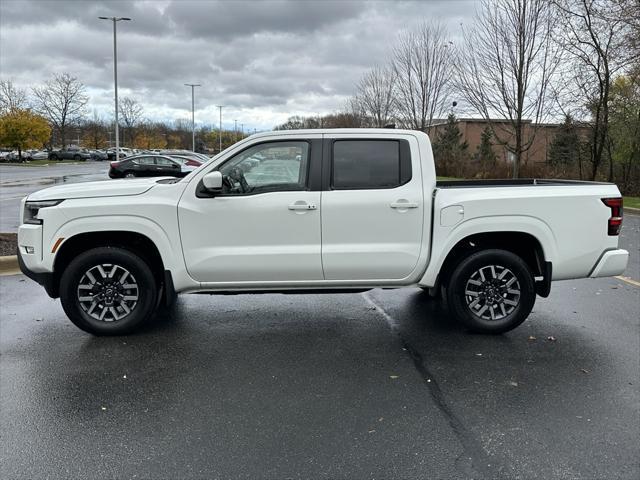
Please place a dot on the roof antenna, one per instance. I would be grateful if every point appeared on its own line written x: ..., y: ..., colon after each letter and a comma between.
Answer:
x: 390, y: 125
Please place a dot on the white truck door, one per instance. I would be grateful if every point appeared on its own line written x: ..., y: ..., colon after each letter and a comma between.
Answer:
x: 372, y: 207
x: 265, y: 226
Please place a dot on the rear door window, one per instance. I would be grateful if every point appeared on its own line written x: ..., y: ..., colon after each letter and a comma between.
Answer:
x: 368, y: 164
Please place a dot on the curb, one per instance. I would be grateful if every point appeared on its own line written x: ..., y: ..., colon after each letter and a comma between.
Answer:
x: 9, y: 265
x: 632, y: 210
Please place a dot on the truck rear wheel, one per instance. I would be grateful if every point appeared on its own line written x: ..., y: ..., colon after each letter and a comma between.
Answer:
x: 108, y: 291
x: 491, y: 291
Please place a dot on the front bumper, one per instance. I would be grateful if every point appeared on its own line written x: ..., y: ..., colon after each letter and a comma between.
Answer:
x: 611, y: 263
x: 46, y: 279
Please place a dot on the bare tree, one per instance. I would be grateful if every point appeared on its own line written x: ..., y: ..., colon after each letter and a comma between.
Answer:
x: 595, y: 35
x: 62, y: 101
x: 504, y: 66
x: 95, y: 131
x: 630, y: 14
x: 131, y: 113
x: 422, y: 66
x: 376, y: 97
x: 11, y: 98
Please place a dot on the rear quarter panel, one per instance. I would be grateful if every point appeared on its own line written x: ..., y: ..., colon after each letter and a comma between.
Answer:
x: 570, y: 222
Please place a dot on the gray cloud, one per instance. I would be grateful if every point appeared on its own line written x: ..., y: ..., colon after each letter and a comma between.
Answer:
x: 265, y: 60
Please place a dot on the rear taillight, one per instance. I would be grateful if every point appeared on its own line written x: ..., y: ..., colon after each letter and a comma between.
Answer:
x: 114, y: 164
x: 615, y: 221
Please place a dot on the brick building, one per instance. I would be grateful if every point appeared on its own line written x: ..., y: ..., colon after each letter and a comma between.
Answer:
x: 472, y: 128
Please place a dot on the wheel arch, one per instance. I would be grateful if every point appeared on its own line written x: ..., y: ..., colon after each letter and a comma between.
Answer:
x: 132, y: 241
x: 522, y: 243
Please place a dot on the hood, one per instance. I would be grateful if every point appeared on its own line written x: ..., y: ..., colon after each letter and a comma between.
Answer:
x: 106, y: 188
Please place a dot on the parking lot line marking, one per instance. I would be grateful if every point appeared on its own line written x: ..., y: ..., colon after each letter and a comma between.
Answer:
x: 628, y: 280
x: 488, y: 467
x: 388, y: 318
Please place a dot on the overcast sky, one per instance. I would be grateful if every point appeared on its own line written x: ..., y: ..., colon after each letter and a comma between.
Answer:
x: 263, y: 60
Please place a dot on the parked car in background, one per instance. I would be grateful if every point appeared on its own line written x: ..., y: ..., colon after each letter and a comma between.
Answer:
x: 124, y: 153
x: 98, y: 155
x: 15, y: 156
x: 40, y: 155
x: 191, y: 161
x: 70, y: 153
x: 186, y: 153
x: 149, y: 166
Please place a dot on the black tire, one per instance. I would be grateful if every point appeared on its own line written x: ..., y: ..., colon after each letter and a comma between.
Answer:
x: 53, y: 157
x: 470, y: 299
x: 129, y: 175
x: 80, y: 313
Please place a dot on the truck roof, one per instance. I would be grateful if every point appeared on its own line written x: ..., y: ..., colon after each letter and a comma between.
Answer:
x: 348, y: 131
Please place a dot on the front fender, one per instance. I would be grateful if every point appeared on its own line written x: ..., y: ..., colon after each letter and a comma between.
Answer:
x: 169, y: 249
x: 445, y: 238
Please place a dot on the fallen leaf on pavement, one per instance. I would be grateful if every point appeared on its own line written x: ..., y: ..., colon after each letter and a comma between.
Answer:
x: 584, y: 370
x: 532, y: 338
x: 393, y: 377
x: 551, y: 338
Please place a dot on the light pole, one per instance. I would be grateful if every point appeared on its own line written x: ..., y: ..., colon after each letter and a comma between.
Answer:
x: 235, y: 131
x: 193, y: 118
x: 220, y: 133
x: 115, y: 75
x: 242, y: 131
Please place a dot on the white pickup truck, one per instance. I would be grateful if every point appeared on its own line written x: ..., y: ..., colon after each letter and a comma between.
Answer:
x: 320, y: 211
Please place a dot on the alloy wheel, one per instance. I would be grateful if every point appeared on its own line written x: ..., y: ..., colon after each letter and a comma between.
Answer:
x: 492, y: 292
x: 108, y: 292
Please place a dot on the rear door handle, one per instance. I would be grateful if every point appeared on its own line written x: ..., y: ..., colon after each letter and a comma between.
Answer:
x: 403, y: 204
x: 302, y: 206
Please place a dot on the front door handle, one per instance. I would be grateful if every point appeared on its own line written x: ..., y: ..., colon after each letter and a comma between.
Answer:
x: 302, y: 206
x: 403, y: 204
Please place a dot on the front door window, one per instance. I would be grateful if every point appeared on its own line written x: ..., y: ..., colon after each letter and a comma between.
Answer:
x: 268, y: 167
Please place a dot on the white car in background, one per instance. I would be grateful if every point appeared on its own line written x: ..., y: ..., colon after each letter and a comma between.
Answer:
x: 40, y: 155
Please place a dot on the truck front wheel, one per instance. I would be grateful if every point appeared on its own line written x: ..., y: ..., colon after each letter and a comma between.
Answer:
x: 108, y: 291
x: 491, y: 291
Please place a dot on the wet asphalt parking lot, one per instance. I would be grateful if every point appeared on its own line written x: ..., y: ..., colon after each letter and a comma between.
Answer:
x: 374, y: 385
x: 17, y: 182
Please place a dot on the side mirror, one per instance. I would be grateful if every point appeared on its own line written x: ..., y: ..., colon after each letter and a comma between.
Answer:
x: 212, y: 181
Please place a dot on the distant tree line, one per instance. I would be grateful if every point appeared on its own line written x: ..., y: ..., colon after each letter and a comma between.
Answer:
x: 61, y: 105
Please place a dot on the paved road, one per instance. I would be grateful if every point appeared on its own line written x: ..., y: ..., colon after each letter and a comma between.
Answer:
x: 379, y: 385
x: 17, y: 182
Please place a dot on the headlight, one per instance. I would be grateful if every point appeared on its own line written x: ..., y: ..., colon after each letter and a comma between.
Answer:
x: 31, y: 210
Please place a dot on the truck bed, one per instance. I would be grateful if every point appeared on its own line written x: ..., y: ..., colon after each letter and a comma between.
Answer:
x: 515, y: 182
